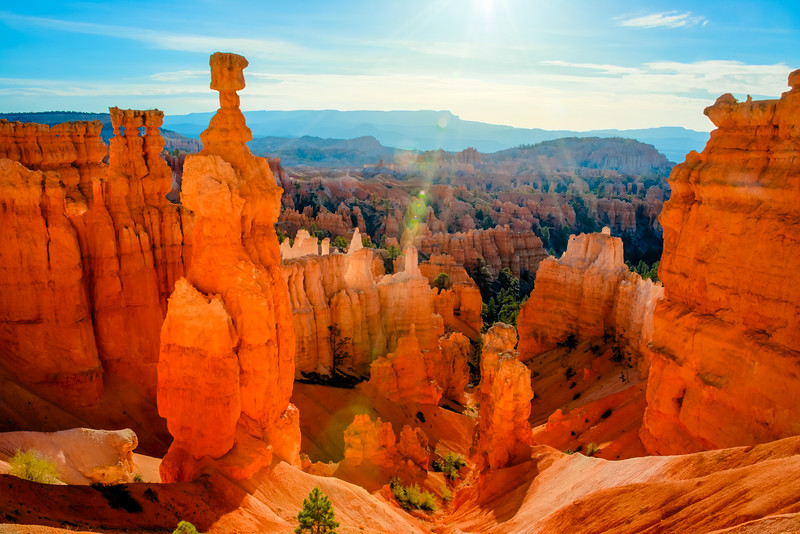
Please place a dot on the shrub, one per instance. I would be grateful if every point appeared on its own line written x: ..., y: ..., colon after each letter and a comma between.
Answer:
x: 30, y: 465
x: 412, y: 496
x: 592, y: 449
x: 450, y: 465
x: 138, y: 478
x: 317, y: 515
x: 340, y: 243
x: 571, y: 342
x: 119, y: 497
x: 441, y: 281
x: 184, y: 527
x: 447, y: 495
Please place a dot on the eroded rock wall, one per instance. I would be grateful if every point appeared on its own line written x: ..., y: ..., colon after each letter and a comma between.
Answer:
x: 500, y: 248
x: 588, y: 292
x: 505, y: 397
x: 106, y: 252
x: 726, y: 338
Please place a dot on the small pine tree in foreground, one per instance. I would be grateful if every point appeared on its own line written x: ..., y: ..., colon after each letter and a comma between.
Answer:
x: 317, y: 516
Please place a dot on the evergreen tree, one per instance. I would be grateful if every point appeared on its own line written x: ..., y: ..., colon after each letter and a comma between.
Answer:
x: 317, y: 516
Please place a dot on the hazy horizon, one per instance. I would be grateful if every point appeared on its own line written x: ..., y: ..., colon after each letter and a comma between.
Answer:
x: 622, y: 65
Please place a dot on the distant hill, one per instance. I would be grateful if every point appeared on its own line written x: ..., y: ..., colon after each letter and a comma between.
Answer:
x: 172, y: 139
x: 429, y: 130
x: 318, y: 152
x: 625, y: 156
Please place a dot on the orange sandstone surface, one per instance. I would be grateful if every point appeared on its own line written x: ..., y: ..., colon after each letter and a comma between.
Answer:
x: 230, y: 355
x: 726, y: 341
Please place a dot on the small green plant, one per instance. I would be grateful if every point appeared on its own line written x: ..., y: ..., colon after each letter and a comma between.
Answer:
x: 450, y: 465
x: 388, y: 263
x: 592, y: 449
x: 138, y: 478
x: 447, y: 495
x: 184, y: 527
x: 30, y: 465
x: 569, y: 451
x: 317, y: 515
x: 340, y: 243
x: 441, y: 282
x: 412, y: 496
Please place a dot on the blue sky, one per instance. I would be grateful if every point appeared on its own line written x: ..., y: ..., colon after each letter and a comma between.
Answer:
x: 572, y: 64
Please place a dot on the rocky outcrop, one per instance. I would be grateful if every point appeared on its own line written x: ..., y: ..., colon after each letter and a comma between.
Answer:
x: 500, y: 248
x: 587, y: 293
x: 345, y: 298
x: 451, y: 369
x: 226, y: 364
x: 109, y: 247
x: 726, y: 339
x: 459, y: 303
x: 81, y: 455
x: 406, y: 375
x: 413, y: 444
x: 505, y: 401
x: 47, y: 335
x: 369, y: 441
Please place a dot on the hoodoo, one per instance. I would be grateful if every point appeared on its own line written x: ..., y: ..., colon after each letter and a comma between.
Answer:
x: 246, y: 345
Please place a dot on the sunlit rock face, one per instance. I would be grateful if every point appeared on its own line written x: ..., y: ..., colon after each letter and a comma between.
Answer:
x: 505, y: 401
x: 226, y: 380
x: 91, y: 252
x: 500, y: 248
x: 727, y: 337
x: 588, y: 293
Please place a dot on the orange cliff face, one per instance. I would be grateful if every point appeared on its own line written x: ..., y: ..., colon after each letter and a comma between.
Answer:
x: 110, y: 246
x: 588, y: 292
x: 500, y: 248
x: 505, y: 397
x: 236, y: 283
x: 727, y: 338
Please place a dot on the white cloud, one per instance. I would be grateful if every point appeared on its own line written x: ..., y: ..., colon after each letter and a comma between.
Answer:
x: 261, y: 48
x: 179, y: 75
x: 667, y: 19
x: 600, y: 67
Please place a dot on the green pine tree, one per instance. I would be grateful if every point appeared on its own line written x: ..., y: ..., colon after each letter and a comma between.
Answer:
x: 317, y: 516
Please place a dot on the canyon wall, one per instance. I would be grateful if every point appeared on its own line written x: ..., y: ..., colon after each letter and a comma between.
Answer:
x: 231, y: 314
x: 726, y: 341
x: 90, y: 253
x: 588, y: 293
x: 345, y: 299
x: 500, y: 248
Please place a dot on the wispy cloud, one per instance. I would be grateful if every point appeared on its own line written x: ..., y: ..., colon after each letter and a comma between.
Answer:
x: 264, y: 48
x: 666, y: 19
x: 599, y: 67
x: 178, y: 75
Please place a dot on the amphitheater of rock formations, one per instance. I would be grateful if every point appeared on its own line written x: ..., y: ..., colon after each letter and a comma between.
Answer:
x: 174, y: 353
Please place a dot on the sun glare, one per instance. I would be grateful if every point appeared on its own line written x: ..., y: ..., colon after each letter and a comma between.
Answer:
x: 487, y: 6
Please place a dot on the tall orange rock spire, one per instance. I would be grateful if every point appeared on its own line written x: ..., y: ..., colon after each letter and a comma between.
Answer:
x: 234, y: 279
x: 727, y: 336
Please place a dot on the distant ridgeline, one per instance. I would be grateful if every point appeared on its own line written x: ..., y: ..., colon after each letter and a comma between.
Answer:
x: 173, y: 140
